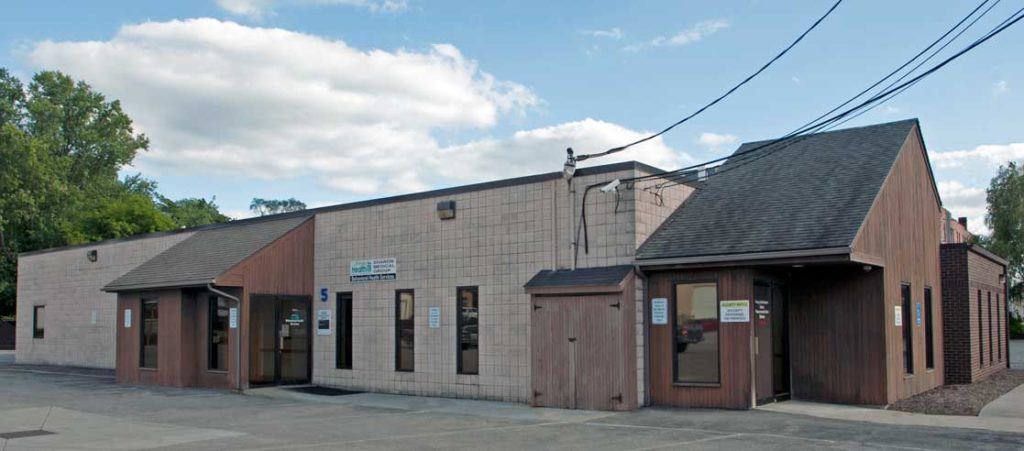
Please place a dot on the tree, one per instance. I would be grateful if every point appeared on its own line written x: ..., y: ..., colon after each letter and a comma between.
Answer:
x: 191, y: 212
x: 1005, y: 218
x: 265, y: 207
x: 121, y: 217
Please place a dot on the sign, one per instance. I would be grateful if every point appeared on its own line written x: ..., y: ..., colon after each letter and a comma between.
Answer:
x: 734, y: 311
x: 323, y: 322
x: 917, y: 314
x: 323, y: 295
x: 899, y: 316
x: 434, y: 315
x: 93, y: 320
x: 295, y: 318
x: 127, y: 318
x: 233, y: 317
x: 371, y: 270
x: 659, y: 311
x: 761, y: 308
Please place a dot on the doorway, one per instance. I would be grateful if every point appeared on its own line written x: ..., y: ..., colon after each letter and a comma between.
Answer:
x: 771, y: 338
x: 280, y: 343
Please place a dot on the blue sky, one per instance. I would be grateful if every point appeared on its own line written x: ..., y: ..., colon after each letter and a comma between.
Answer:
x: 336, y: 100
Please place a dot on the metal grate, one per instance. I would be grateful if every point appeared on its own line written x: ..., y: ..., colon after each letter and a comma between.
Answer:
x: 24, y: 434
x: 323, y: 391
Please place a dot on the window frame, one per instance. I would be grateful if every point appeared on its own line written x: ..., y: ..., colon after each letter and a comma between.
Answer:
x: 981, y: 333
x: 214, y: 305
x: 929, y: 330
x: 38, y: 333
x: 398, y: 330
x: 458, y: 328
x: 991, y: 335
x: 1000, y: 319
x: 343, y: 340
x: 675, y: 331
x: 142, y: 334
x: 907, y: 303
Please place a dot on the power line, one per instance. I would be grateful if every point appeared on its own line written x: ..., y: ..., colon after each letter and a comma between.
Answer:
x: 721, y: 97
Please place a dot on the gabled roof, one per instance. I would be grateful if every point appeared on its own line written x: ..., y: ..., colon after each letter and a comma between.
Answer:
x: 805, y: 193
x: 199, y: 259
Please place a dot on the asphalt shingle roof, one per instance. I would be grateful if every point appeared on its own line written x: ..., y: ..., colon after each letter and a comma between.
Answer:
x: 809, y: 192
x: 608, y: 275
x: 205, y: 255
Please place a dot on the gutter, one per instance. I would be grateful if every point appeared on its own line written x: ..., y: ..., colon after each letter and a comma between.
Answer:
x: 827, y: 251
x: 238, y: 333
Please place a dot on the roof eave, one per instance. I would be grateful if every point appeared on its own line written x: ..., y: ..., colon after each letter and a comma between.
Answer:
x: 841, y: 251
x: 158, y: 286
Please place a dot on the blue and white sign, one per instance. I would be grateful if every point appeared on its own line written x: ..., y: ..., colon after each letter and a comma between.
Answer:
x: 659, y: 311
x: 434, y: 315
x: 917, y: 316
x: 323, y: 295
x: 374, y: 269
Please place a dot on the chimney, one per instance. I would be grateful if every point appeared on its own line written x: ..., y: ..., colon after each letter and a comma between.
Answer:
x: 962, y: 220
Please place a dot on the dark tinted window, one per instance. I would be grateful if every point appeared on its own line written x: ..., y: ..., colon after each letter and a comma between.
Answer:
x: 981, y: 331
x: 218, y: 333
x: 148, y: 329
x: 343, y: 353
x: 38, y: 321
x: 908, y: 330
x: 696, y: 333
x: 404, y: 330
x: 929, y: 340
x: 991, y: 338
x: 469, y: 333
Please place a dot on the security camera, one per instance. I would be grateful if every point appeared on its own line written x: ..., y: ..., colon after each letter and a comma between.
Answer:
x: 611, y: 187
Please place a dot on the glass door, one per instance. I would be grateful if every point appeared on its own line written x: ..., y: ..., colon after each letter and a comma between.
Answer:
x: 280, y: 331
x: 263, y: 340
x: 294, y: 338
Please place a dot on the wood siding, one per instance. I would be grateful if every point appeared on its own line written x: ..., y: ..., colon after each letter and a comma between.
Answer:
x: 900, y: 229
x: 734, y: 391
x: 173, y: 357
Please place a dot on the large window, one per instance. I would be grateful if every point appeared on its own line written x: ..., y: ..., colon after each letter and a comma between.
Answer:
x: 343, y: 353
x: 991, y: 338
x: 148, y: 331
x: 929, y: 339
x: 908, y: 330
x: 468, y: 346
x: 1000, y: 319
x: 405, y: 336
x: 218, y: 349
x: 696, y: 333
x: 981, y: 333
x: 38, y: 321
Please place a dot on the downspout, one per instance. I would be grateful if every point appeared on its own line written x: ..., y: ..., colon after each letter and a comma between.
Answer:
x: 647, y: 335
x: 238, y: 333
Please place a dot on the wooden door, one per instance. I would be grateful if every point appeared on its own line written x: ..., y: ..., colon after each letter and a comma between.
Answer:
x: 551, y: 352
x: 600, y: 372
x: 763, y: 344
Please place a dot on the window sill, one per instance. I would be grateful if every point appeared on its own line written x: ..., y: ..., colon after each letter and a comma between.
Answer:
x: 142, y: 368
x: 908, y: 376
x: 698, y: 384
x: 217, y: 371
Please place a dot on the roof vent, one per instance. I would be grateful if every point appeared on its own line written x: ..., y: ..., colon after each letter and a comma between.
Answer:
x: 92, y: 255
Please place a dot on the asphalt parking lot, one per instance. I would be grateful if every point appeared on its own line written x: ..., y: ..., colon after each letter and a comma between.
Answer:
x: 84, y: 409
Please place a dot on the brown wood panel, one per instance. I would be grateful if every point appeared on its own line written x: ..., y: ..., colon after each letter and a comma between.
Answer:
x: 734, y: 389
x: 551, y: 353
x: 901, y: 229
x: 601, y: 382
x: 169, y: 369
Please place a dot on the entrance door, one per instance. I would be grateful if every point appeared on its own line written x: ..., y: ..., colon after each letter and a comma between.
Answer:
x: 280, y: 331
x: 771, y: 350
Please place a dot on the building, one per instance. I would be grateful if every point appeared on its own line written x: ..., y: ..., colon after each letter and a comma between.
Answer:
x: 805, y: 269
x: 974, y: 309
x: 954, y: 230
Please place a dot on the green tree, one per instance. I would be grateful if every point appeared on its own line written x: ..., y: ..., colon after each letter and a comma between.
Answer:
x: 120, y: 217
x: 265, y: 207
x: 191, y: 212
x: 1006, y: 220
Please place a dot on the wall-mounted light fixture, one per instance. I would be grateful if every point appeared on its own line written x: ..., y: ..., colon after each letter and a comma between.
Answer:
x: 92, y: 255
x: 446, y: 209
x: 1002, y: 279
x: 569, y: 169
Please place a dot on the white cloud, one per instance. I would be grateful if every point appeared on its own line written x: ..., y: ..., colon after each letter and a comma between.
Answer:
x: 611, y: 33
x: 1000, y: 87
x: 258, y: 9
x: 992, y: 155
x: 795, y: 79
x: 716, y: 141
x: 889, y: 110
x: 221, y: 98
x: 962, y: 200
x: 684, y: 37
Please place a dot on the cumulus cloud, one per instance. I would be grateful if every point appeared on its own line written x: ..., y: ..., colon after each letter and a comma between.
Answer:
x: 688, y: 36
x: 611, y: 33
x: 1000, y: 87
x: 716, y: 141
x: 962, y: 200
x: 258, y: 9
x: 219, y: 97
x: 992, y: 155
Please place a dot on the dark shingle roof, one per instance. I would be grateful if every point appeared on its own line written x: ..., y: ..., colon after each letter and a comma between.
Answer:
x: 205, y: 255
x: 810, y: 192
x: 580, y: 277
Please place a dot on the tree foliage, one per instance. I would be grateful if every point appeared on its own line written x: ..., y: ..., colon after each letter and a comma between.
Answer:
x: 265, y: 207
x: 191, y: 212
x: 1006, y: 220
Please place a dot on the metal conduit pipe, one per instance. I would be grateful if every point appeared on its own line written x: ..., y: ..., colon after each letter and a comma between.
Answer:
x: 238, y: 335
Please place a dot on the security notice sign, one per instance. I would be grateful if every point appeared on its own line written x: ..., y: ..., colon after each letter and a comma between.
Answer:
x: 898, y: 316
x: 323, y: 322
x: 735, y: 311
x: 659, y: 311
x: 373, y: 269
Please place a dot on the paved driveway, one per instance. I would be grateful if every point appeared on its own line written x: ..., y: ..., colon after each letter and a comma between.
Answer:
x: 86, y: 410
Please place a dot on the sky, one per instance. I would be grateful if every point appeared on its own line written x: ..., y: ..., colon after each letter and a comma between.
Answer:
x: 331, y: 101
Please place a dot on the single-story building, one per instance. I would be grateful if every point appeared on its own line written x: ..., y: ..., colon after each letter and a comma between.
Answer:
x: 808, y: 268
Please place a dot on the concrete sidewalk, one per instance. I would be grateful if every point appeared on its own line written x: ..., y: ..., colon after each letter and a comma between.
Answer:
x: 892, y: 417
x: 1010, y: 405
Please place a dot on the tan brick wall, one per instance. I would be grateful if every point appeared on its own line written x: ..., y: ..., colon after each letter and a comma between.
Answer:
x: 68, y: 284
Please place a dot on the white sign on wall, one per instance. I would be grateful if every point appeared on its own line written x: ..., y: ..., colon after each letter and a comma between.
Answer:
x: 735, y: 311
x: 373, y: 269
x: 659, y: 311
x: 127, y: 318
x: 434, y: 315
x: 899, y: 316
x: 323, y: 322
x: 233, y: 318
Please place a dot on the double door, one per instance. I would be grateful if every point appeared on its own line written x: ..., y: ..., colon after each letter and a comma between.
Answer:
x: 280, y: 343
x: 771, y: 342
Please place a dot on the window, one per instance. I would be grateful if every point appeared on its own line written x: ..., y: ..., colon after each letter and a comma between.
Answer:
x: 218, y: 348
x: 1000, y: 318
x: 468, y: 339
x: 148, y: 331
x: 908, y: 330
x: 405, y: 304
x: 991, y: 339
x: 981, y: 332
x: 38, y: 321
x: 695, y: 332
x: 343, y: 352
x: 929, y: 339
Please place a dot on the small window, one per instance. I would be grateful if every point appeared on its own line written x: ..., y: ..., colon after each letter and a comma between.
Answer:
x: 468, y: 346
x: 38, y: 321
x: 696, y: 333
x: 908, y: 330
x: 981, y: 333
x: 218, y: 346
x: 148, y: 333
x: 1000, y: 319
x: 343, y: 352
x: 991, y: 338
x: 929, y: 339
x: 405, y: 332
